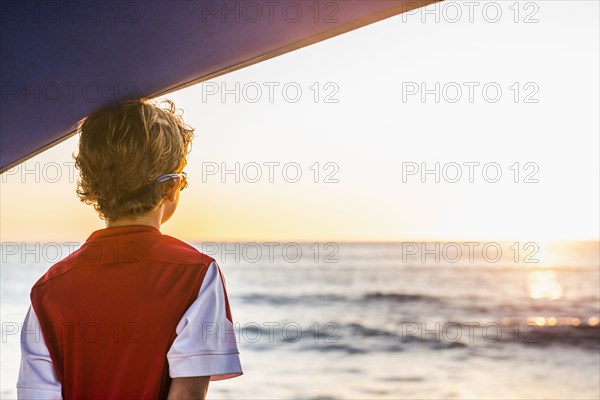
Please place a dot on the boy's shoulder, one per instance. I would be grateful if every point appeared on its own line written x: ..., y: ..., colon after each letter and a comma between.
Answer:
x: 162, y: 249
x: 180, y: 252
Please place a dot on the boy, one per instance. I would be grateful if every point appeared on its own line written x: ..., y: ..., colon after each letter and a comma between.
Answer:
x: 132, y: 314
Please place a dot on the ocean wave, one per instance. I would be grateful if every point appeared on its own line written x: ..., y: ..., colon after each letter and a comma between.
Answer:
x: 277, y: 299
x: 337, y: 347
x: 399, y: 297
x: 361, y: 330
x: 320, y: 298
x: 377, y: 339
x: 584, y: 336
x: 358, y: 338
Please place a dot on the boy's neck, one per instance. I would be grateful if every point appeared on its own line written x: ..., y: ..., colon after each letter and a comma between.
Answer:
x: 153, y: 218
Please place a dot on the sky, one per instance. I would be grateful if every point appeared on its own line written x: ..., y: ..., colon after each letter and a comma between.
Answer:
x: 345, y: 139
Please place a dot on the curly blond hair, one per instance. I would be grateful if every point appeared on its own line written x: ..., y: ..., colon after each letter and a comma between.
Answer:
x: 123, y: 149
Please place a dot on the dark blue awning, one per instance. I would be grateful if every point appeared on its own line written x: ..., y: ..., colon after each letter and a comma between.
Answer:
x: 61, y: 60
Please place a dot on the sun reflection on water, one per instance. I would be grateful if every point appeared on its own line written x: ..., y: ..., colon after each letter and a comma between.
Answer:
x: 543, y: 285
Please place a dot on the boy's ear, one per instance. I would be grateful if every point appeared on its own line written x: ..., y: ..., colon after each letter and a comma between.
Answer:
x: 172, y: 192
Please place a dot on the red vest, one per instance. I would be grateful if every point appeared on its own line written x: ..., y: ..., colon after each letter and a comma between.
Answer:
x: 109, y: 311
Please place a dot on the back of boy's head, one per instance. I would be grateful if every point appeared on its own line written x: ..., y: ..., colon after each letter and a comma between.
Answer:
x: 123, y: 149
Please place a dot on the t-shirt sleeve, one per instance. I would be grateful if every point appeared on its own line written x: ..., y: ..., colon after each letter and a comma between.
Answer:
x: 37, y: 376
x: 206, y: 343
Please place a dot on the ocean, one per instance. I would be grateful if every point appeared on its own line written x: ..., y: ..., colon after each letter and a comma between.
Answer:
x: 445, y: 320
